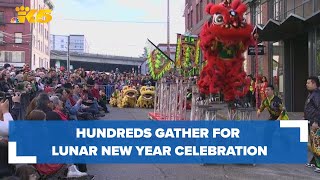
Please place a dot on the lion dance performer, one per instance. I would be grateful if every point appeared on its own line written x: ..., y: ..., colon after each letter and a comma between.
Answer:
x: 146, y: 99
x: 224, y: 39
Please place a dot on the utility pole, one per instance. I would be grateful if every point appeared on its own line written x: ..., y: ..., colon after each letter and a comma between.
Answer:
x: 68, y: 53
x: 31, y: 46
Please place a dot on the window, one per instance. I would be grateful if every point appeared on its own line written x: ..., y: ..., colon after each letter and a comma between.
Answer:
x: 18, y: 38
x: 1, y: 17
x: 12, y: 56
x: 62, y: 46
x: 34, y: 59
x: 317, y: 52
x: 258, y: 13
x: 191, y: 21
x: 33, y: 39
x: 197, y: 13
x: 276, y: 10
x: 201, y: 10
x: 1, y: 38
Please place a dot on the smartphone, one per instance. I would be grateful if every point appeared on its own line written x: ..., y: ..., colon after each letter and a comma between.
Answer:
x: 3, y: 96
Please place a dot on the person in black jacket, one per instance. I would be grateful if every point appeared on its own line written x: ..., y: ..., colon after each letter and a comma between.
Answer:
x: 4, y: 85
x: 312, y: 114
x: 43, y: 103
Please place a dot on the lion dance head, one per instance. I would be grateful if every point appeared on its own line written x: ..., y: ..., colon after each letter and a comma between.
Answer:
x: 224, y: 39
x: 146, y: 99
x: 128, y: 97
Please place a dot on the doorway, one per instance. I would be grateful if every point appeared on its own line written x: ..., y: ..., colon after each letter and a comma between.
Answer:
x: 296, y: 72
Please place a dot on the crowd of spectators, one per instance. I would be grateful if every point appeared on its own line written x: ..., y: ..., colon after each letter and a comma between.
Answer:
x: 50, y: 94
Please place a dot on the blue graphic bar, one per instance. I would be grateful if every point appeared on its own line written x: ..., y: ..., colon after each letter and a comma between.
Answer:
x: 214, y: 142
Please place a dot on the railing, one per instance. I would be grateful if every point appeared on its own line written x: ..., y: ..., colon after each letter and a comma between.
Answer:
x: 281, y: 9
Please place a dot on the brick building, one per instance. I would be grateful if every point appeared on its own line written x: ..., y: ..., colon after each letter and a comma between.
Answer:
x: 23, y: 43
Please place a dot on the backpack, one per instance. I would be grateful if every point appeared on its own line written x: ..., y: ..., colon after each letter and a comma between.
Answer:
x: 48, y: 169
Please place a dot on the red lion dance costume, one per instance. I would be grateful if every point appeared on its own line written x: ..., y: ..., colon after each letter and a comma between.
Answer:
x: 223, y: 41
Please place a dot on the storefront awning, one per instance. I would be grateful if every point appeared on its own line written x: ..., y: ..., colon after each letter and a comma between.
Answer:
x: 314, y: 20
x: 292, y: 26
x: 269, y: 32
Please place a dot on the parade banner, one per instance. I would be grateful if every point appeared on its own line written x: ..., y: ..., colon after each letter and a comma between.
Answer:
x: 181, y: 142
x: 188, y: 54
x: 159, y: 63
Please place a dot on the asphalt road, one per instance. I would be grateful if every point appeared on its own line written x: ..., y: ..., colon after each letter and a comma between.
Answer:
x: 191, y: 172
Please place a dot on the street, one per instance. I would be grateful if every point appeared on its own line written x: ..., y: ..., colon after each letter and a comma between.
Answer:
x: 193, y: 171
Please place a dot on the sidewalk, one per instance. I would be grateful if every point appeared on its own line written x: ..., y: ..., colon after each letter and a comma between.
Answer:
x: 223, y: 114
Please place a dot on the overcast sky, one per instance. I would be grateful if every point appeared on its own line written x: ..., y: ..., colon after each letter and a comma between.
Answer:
x: 118, y: 38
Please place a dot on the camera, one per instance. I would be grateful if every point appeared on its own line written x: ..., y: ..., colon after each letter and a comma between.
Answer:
x: 4, y: 96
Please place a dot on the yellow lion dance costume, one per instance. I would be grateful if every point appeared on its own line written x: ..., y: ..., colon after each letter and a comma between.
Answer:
x: 127, y: 97
x: 114, y: 98
x: 146, y: 99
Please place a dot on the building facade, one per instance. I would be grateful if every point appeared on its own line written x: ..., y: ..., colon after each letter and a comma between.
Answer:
x: 144, y: 67
x: 15, y: 39
x: 290, y: 31
x: 40, y: 38
x: 164, y: 48
x: 78, y: 43
x: 58, y: 43
x: 23, y: 43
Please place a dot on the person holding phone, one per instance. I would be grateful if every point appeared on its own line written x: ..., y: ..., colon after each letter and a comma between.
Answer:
x: 5, y: 118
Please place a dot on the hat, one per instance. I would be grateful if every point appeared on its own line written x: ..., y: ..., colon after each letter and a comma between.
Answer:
x: 20, y: 86
x: 6, y: 66
x: 67, y: 85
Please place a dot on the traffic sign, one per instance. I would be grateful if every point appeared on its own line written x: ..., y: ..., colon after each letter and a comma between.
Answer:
x: 252, y: 50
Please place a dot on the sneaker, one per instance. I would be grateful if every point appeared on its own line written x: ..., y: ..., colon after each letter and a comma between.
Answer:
x: 99, y: 115
x: 73, y: 172
x: 309, y: 165
x: 90, y: 177
x: 317, y: 170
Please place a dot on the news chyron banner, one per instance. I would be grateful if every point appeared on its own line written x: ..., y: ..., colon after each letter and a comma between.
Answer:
x: 210, y: 142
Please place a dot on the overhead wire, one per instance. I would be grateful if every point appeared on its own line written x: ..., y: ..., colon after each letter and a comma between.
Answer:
x: 114, y: 21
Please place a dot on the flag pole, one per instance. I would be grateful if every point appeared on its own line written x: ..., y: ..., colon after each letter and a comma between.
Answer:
x: 160, y: 50
x: 168, y: 28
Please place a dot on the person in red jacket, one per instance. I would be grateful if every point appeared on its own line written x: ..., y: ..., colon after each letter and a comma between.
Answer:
x: 95, y: 91
x: 58, y: 107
